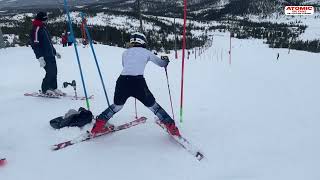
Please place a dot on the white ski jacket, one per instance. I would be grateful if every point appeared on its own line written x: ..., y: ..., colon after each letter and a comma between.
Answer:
x: 135, y: 59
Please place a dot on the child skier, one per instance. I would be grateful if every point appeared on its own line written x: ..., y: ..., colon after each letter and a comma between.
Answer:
x: 131, y: 83
x: 64, y: 39
x: 45, y: 53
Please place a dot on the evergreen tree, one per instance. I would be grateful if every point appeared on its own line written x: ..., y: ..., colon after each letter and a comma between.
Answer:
x: 2, y: 44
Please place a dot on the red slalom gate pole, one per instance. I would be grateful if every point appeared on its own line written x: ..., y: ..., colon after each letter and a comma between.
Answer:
x: 183, y: 57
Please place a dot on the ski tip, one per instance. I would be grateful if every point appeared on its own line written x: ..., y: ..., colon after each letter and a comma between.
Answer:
x: 3, y: 162
x: 199, y: 156
x: 58, y: 146
x: 142, y: 118
x: 54, y: 147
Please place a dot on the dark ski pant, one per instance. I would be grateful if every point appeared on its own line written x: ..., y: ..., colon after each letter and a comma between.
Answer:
x: 50, y: 79
x: 134, y: 86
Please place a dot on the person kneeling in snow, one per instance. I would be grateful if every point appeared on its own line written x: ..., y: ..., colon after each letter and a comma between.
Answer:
x: 45, y: 53
x: 131, y: 83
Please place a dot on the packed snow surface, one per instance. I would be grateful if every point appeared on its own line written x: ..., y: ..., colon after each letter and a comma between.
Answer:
x: 257, y: 118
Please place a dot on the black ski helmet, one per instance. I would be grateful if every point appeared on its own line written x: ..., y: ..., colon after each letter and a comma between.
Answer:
x: 42, y: 16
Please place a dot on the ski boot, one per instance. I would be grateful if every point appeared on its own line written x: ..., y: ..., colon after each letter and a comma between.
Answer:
x: 101, y: 126
x: 50, y: 92
x: 58, y: 92
x: 3, y: 162
x: 172, y: 128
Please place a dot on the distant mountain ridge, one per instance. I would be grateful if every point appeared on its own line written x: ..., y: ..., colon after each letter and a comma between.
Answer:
x: 45, y: 3
x: 206, y: 9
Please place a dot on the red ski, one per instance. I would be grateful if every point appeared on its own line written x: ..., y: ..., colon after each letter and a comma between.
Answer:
x: 72, y: 97
x: 184, y: 143
x: 87, y: 136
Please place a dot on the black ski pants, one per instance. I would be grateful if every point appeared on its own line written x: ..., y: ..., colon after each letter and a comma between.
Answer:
x: 50, y: 80
x: 133, y: 86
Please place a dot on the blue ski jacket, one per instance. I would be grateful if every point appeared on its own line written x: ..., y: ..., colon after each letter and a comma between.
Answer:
x: 40, y: 41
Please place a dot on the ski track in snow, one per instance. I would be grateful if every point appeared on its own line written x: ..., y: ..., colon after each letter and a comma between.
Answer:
x: 255, y: 119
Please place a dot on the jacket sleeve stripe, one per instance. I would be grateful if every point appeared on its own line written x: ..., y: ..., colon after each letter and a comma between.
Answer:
x: 36, y: 35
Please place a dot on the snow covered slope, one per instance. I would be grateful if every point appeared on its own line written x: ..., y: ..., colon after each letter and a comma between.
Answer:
x: 255, y: 119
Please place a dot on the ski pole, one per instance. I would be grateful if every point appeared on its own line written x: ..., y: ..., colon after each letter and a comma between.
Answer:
x: 169, y: 92
x: 135, y: 105
x: 77, y: 54
x: 95, y: 58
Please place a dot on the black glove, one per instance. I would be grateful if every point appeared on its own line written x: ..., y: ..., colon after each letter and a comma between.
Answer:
x: 166, y: 59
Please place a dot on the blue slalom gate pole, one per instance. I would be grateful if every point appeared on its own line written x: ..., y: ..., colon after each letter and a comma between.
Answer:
x: 95, y: 57
x: 76, y: 50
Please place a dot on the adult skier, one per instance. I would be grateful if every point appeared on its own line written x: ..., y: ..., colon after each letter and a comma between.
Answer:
x: 131, y: 83
x: 45, y: 53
